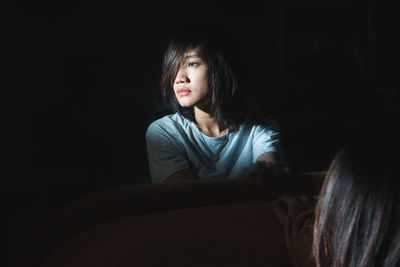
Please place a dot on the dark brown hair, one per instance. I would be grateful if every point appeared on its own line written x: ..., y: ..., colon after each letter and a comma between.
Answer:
x: 216, y: 47
x: 358, y: 213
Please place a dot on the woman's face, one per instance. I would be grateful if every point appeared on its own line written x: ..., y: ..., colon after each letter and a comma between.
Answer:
x: 190, y: 84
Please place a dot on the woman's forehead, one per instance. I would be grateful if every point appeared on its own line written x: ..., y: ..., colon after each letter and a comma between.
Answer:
x: 191, y: 53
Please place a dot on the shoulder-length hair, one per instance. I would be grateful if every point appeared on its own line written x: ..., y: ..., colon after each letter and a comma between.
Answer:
x: 216, y: 47
x: 358, y: 213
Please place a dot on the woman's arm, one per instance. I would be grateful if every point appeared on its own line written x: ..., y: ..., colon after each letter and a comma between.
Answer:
x: 266, y: 140
x: 268, y: 157
x: 165, y: 155
x: 179, y: 176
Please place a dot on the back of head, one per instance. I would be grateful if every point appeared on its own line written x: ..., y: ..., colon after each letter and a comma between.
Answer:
x: 358, y: 213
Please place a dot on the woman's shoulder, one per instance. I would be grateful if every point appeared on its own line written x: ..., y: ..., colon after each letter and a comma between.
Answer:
x: 169, y: 123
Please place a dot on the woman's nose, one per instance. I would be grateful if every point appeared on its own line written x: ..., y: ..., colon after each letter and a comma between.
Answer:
x: 182, y: 77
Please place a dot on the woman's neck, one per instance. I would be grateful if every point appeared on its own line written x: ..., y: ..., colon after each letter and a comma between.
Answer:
x: 208, y: 124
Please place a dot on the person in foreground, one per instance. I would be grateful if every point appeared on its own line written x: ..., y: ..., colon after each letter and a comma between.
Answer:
x: 357, y: 215
x: 211, y: 135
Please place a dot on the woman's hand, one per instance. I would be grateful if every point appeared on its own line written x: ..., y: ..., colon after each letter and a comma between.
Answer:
x: 299, y: 237
x: 288, y: 206
x: 296, y: 216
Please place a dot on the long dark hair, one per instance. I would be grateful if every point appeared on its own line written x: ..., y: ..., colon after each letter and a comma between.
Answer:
x: 358, y: 213
x: 226, y: 76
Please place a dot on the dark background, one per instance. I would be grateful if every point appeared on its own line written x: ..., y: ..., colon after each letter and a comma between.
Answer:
x: 80, y: 83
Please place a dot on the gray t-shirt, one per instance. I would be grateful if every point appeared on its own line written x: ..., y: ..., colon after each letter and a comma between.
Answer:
x: 175, y: 143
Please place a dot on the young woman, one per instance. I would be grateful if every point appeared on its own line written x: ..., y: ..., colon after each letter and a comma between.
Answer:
x: 357, y: 218
x: 210, y: 135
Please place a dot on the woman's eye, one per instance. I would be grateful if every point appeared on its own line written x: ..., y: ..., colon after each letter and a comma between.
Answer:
x: 193, y: 64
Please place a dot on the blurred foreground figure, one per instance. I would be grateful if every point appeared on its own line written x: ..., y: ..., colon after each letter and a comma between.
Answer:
x: 357, y: 215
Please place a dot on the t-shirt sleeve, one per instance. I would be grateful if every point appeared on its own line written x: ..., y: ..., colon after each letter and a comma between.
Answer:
x: 165, y: 154
x: 266, y: 138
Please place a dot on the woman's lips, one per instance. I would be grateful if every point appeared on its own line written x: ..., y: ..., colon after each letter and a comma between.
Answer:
x: 183, y: 92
